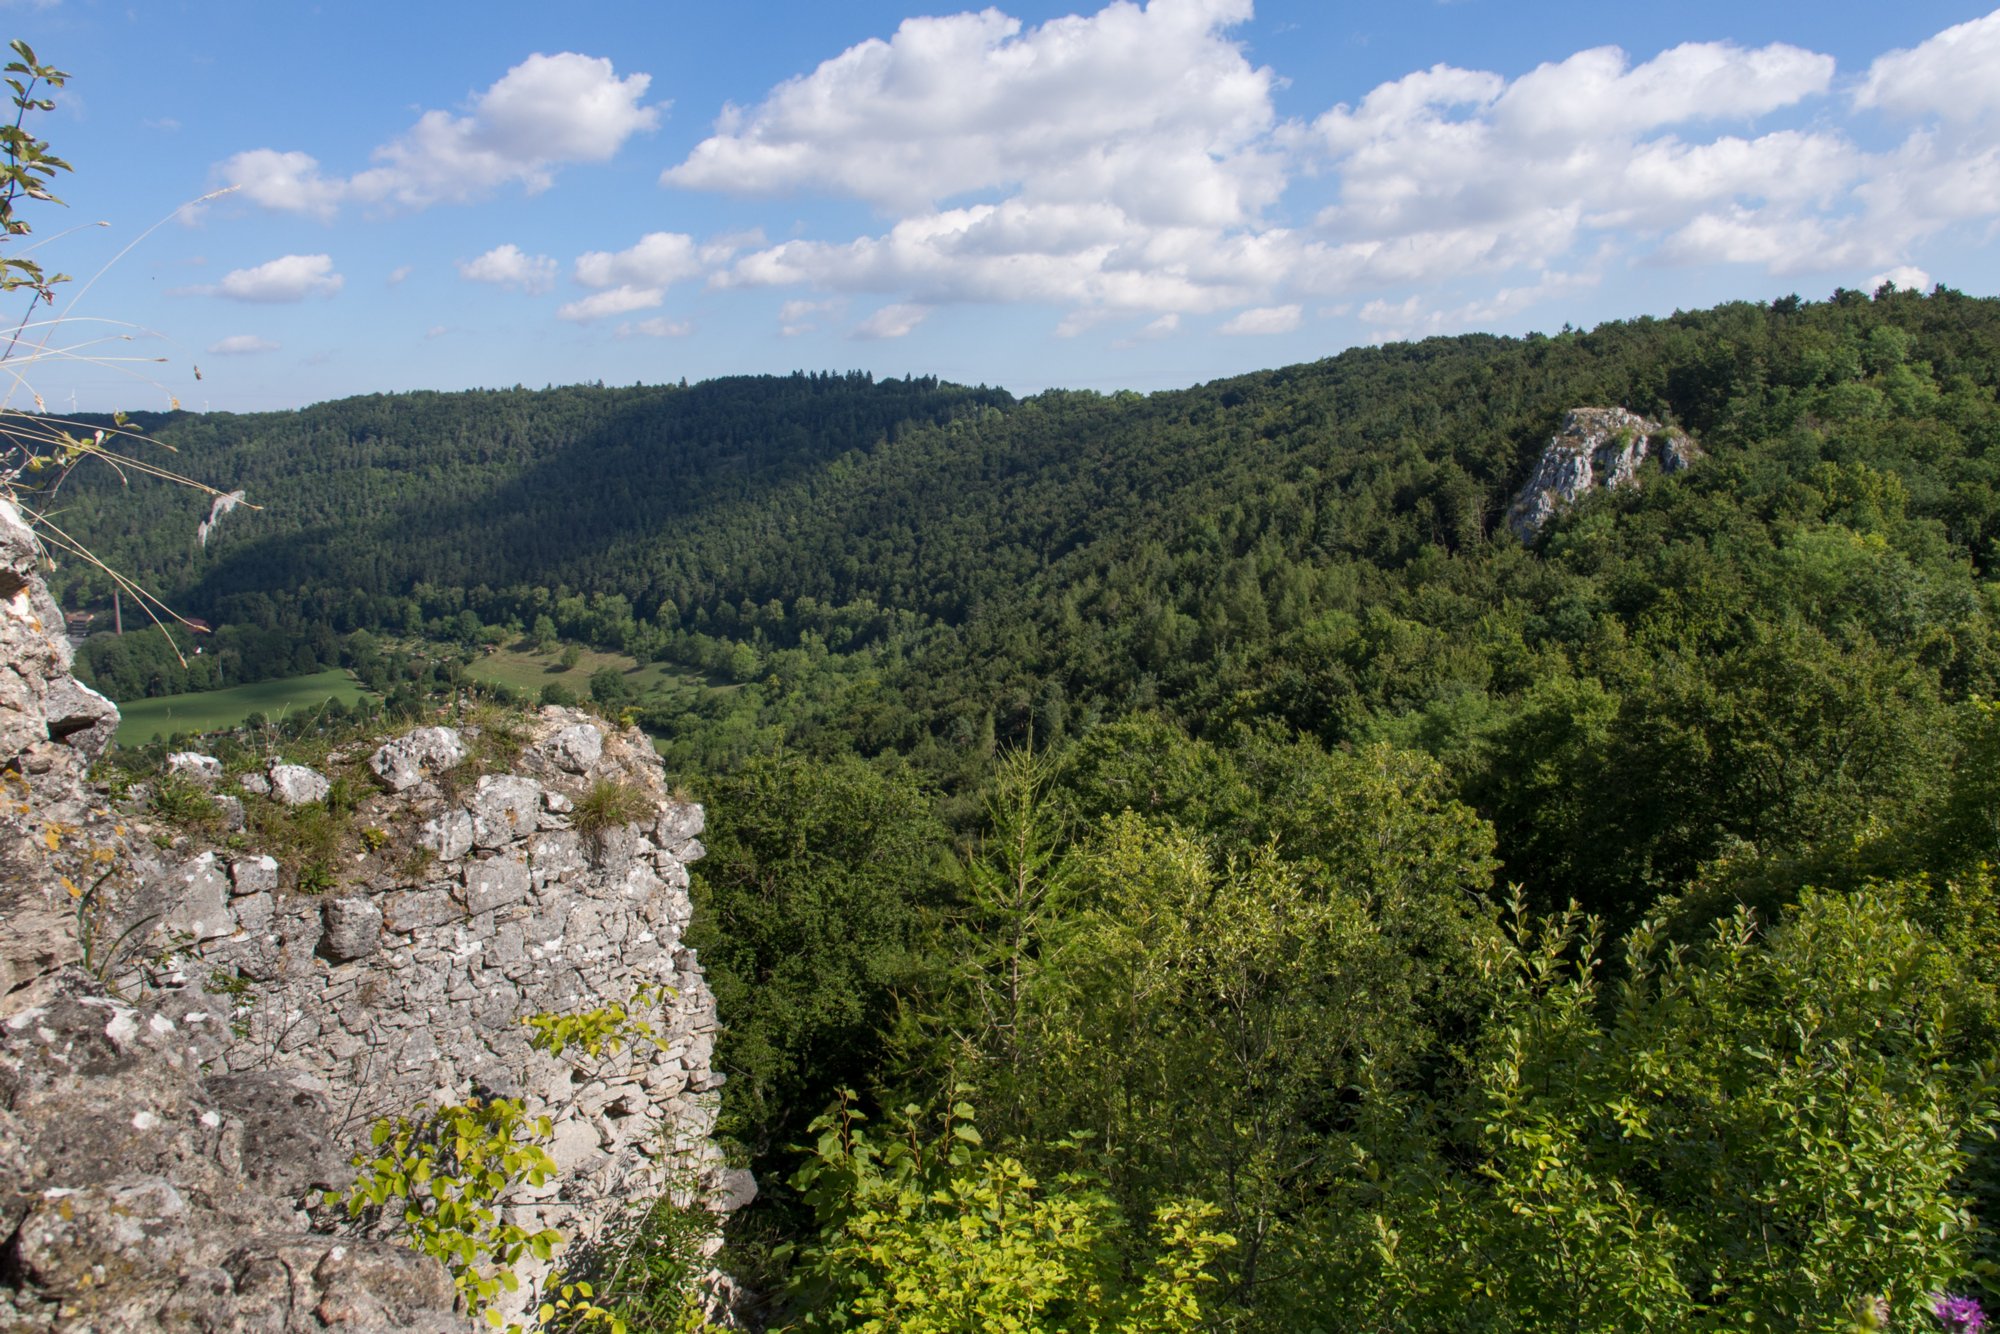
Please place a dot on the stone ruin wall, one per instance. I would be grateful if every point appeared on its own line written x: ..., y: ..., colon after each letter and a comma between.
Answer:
x: 407, y: 983
x: 192, y: 1057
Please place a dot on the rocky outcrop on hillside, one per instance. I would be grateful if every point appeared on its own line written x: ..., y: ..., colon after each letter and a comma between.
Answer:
x: 1595, y: 449
x: 202, y: 1014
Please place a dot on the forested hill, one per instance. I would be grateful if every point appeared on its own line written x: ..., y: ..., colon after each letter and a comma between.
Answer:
x: 1085, y: 553
x: 365, y: 498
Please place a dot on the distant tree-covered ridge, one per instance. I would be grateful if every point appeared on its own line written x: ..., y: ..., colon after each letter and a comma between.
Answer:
x: 1296, y: 542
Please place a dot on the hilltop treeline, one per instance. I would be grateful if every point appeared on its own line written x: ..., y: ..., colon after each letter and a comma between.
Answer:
x: 1161, y: 768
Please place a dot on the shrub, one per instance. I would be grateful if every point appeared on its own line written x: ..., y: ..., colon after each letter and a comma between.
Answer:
x: 922, y: 1234
x: 439, y: 1181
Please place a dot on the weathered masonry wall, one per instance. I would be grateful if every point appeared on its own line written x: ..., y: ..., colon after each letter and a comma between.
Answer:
x: 407, y: 984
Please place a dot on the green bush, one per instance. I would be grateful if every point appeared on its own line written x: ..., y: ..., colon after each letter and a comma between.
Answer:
x: 440, y: 1182
x: 932, y: 1234
x: 1749, y: 1135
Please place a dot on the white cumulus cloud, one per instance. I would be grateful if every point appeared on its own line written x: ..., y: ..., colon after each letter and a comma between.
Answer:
x: 613, y: 301
x: 289, y: 182
x: 892, y: 321
x: 1263, y: 320
x: 510, y: 266
x: 287, y: 278
x: 1130, y: 161
x: 802, y: 317
x: 1470, y: 172
x: 660, y: 259
x: 237, y: 345
x: 1955, y: 74
x: 1128, y: 169
x: 1151, y: 110
x: 1416, y: 317
x: 1906, y: 276
x: 544, y: 113
x: 657, y: 327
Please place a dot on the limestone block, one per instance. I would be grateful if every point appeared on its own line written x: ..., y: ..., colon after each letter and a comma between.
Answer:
x: 418, y: 1050
x: 576, y: 748
x: 79, y: 717
x: 574, y: 1146
x: 379, y: 1286
x: 448, y: 835
x: 549, y: 923
x: 733, y: 1188
x: 679, y: 821
x: 253, y: 914
x: 296, y: 785
x: 414, y: 909
x: 557, y: 854
x: 504, y: 807
x: 257, y: 785
x: 117, y: 1235
x: 353, y: 928
x: 232, y: 813
x: 585, y: 929
x: 302, y: 1031
x: 278, y: 1120
x: 254, y: 875
x: 201, y: 906
x: 640, y: 881
x: 495, y: 883
x: 664, y: 1080
x: 622, y: 1099
x: 497, y: 1010
x: 195, y: 767
x: 508, y: 947
x: 613, y: 849
x: 409, y: 759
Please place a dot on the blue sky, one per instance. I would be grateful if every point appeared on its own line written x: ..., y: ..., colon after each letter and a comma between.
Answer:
x: 1133, y: 196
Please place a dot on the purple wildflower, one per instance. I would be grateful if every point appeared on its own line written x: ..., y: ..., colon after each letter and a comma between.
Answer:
x: 1960, y: 1315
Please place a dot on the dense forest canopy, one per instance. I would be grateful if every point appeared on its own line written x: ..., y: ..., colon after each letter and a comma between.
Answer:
x: 1439, y: 931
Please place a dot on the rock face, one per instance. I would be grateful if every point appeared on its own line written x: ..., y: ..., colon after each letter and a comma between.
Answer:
x: 196, y: 768
x: 1599, y: 448
x: 143, y: 1195
x: 191, y: 1047
x: 51, y: 728
x: 409, y: 759
x: 409, y: 982
x: 296, y: 785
